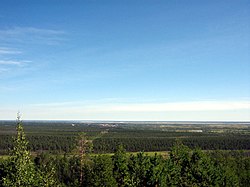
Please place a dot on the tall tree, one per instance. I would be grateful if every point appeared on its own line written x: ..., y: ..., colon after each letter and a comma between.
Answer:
x: 139, y: 166
x: 84, y: 146
x: 101, y: 172
x: 20, y: 168
x: 186, y: 167
x: 157, y: 171
x: 120, y: 170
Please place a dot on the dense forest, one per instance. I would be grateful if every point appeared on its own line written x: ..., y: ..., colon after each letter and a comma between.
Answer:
x: 59, y: 137
x: 183, y: 166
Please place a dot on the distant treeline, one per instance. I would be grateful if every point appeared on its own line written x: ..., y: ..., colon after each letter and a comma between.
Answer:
x: 61, y: 144
x: 103, y: 145
x: 59, y: 137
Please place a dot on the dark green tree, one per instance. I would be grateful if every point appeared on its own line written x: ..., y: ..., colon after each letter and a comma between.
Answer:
x: 186, y: 167
x: 2, y: 171
x: 230, y: 175
x: 120, y: 170
x: 139, y: 166
x: 156, y: 176
x: 101, y: 172
x: 45, y: 169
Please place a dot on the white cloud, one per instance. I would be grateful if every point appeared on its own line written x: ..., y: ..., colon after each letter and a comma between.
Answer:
x: 8, y: 60
x: 150, y: 107
x: 7, y: 66
x: 30, y: 30
x: 11, y: 62
x: 7, y: 51
x: 32, y: 35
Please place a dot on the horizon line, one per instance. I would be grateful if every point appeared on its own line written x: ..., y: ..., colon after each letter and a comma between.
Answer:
x: 100, y: 120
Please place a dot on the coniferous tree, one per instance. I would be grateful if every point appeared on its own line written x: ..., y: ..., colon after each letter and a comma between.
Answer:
x: 20, y: 168
x: 157, y: 172
x: 187, y: 167
x: 84, y: 146
x: 139, y: 166
x: 120, y: 170
x: 101, y: 174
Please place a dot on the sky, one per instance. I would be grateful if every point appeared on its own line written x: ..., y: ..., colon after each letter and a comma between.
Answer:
x: 159, y: 60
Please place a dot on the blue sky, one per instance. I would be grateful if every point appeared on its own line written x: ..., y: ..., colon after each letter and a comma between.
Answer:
x: 125, y: 60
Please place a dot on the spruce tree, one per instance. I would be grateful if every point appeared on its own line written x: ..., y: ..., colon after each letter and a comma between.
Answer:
x: 120, y: 170
x: 20, y: 168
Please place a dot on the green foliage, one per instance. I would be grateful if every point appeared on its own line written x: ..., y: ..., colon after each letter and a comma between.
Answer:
x: 157, y: 171
x: 241, y: 167
x: 45, y: 170
x: 101, y: 172
x: 229, y: 168
x: 67, y: 170
x: 84, y: 146
x: 138, y: 167
x: 20, y: 168
x: 120, y: 170
x: 188, y: 167
x: 3, y: 171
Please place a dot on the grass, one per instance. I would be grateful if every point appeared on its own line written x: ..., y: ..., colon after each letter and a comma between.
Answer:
x: 151, y: 153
